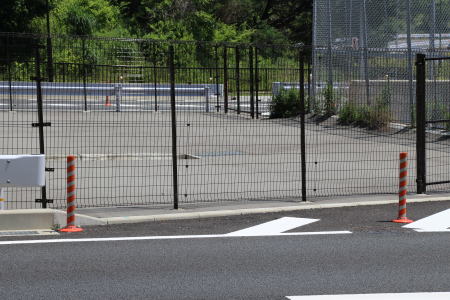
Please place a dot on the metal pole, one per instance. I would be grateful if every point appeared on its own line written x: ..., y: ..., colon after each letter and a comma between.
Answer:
x: 420, y: 124
x: 118, y: 92
x: 38, y: 79
x: 155, y: 82
x: 225, y: 79
x: 302, y: 122
x: 257, y: 82
x: 8, y: 61
x: 83, y: 44
x: 49, y: 46
x: 410, y: 62
x: 238, y: 86
x: 174, y: 127
x: 252, y: 79
x: 206, y: 91
x: 330, y: 62
x: 216, y: 54
x: 366, y: 54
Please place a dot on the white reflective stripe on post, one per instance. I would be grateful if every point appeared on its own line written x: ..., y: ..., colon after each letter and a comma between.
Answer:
x: 2, y: 200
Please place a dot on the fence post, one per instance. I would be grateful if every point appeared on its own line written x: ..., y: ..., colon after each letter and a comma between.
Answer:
x: 420, y: 124
x: 155, y: 81
x: 118, y: 93
x: 225, y: 79
x: 252, y: 79
x: 238, y: 78
x: 8, y: 62
x: 302, y: 121
x: 83, y: 44
x: 216, y: 54
x: 206, y: 91
x: 174, y: 127
x: 256, y: 82
x: 40, y: 123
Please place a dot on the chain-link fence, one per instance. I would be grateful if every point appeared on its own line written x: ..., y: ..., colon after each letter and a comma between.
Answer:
x: 371, y: 45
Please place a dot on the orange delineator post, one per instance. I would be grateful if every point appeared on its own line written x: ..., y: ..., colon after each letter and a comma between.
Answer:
x: 403, y: 183
x: 71, y: 198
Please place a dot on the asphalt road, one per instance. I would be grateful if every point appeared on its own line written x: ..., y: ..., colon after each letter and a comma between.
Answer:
x: 377, y: 257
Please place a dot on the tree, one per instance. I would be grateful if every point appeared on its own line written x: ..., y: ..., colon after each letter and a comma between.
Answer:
x: 17, y: 15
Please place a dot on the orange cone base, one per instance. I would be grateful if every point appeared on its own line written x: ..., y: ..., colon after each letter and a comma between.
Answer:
x: 71, y: 229
x: 403, y: 220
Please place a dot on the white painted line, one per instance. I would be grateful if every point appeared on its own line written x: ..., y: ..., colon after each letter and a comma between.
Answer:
x: 273, y: 227
x: 395, y: 296
x: 171, y: 237
x: 439, y: 222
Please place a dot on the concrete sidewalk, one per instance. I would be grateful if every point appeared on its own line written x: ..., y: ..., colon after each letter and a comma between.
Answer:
x: 33, y: 219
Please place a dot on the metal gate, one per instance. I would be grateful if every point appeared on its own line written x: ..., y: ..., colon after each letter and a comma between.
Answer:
x: 433, y: 123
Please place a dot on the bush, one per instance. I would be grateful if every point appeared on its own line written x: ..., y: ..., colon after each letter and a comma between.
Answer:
x: 286, y: 104
x: 348, y: 114
x: 379, y: 117
x: 330, y: 105
x: 375, y: 117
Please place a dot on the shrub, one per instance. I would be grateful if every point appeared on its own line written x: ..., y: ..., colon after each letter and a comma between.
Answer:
x: 348, y: 114
x: 375, y: 117
x: 379, y: 116
x: 330, y: 105
x: 286, y: 104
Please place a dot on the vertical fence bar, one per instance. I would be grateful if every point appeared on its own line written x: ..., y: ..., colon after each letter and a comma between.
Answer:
x: 410, y: 58
x: 302, y: 121
x: 155, y: 81
x: 225, y: 79
x: 40, y: 123
x: 238, y: 78
x: 252, y: 82
x: 83, y: 45
x: 174, y: 126
x: 8, y: 62
x: 216, y: 55
x: 420, y: 123
x: 256, y: 82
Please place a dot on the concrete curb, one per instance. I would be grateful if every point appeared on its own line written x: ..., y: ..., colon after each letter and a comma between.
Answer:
x: 247, y: 211
x: 45, y: 219
x: 41, y: 219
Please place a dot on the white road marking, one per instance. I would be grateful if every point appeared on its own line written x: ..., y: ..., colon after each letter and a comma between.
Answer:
x: 273, y: 227
x: 170, y: 237
x: 394, y: 296
x: 439, y: 222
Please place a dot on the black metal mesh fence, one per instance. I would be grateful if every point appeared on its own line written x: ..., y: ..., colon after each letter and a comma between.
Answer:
x: 237, y: 129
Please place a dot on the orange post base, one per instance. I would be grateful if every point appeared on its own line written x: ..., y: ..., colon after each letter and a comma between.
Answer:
x: 71, y: 229
x: 402, y: 220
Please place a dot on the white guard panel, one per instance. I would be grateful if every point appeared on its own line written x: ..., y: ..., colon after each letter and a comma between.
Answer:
x: 22, y: 170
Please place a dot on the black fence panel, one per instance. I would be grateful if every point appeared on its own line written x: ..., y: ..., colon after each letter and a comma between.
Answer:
x: 170, y: 123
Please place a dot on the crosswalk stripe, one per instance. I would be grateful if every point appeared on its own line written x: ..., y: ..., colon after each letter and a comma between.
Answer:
x: 393, y: 296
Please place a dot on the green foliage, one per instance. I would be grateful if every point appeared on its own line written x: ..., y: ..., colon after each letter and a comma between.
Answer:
x: 330, y: 105
x: 286, y: 104
x: 372, y: 117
